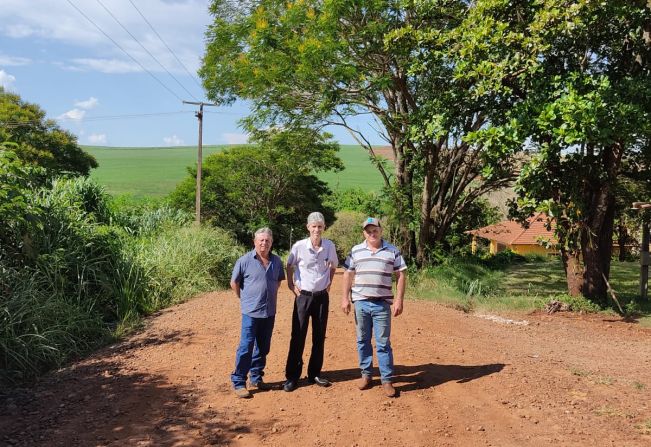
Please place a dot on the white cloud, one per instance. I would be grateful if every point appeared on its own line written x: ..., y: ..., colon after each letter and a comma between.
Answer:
x: 173, y: 141
x: 97, y: 139
x: 235, y: 138
x: 12, y: 60
x: 73, y: 115
x: 180, y: 23
x: 18, y: 31
x: 6, y: 80
x: 88, y: 104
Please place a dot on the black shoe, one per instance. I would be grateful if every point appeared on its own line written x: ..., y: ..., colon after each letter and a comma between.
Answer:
x: 290, y: 385
x: 320, y: 381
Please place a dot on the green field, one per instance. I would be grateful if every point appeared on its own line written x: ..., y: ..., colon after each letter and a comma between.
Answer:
x: 155, y: 171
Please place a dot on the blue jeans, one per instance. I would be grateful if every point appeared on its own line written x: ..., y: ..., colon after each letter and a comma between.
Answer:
x: 251, y: 355
x: 374, y: 316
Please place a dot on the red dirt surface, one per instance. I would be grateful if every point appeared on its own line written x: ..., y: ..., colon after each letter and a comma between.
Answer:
x: 463, y: 380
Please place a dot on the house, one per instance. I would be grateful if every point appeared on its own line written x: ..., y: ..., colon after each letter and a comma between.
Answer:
x: 510, y: 234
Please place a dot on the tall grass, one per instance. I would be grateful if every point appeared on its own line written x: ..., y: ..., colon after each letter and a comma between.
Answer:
x: 91, y: 270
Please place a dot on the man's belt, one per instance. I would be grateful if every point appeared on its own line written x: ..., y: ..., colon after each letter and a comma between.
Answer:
x: 319, y: 293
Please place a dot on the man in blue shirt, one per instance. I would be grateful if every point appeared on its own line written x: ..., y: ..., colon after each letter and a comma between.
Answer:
x: 255, y: 280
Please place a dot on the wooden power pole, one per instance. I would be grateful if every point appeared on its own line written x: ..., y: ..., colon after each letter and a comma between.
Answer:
x: 199, y: 115
x: 645, y: 259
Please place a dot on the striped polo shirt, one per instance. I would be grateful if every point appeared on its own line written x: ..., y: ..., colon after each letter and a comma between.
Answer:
x: 374, y: 271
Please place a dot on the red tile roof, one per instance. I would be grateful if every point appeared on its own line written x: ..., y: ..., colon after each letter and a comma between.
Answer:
x: 510, y: 232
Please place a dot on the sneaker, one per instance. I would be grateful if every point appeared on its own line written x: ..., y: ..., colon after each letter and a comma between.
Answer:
x: 364, y: 383
x: 319, y: 381
x: 290, y: 385
x: 242, y: 393
x: 261, y: 386
x: 389, y: 390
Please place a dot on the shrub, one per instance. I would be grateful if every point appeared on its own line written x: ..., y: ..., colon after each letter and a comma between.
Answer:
x: 346, y: 232
x: 181, y: 262
x: 356, y: 199
x: 83, y: 277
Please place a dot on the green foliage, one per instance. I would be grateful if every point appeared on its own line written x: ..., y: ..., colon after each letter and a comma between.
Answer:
x: 270, y: 183
x: 90, y: 269
x: 580, y: 72
x: 38, y: 141
x: 315, y: 63
x: 346, y: 232
x: 17, y: 212
x: 478, y: 213
x: 182, y: 262
x: 356, y: 199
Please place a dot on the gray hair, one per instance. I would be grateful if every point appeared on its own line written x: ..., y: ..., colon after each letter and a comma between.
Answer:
x: 315, y: 217
x: 264, y: 230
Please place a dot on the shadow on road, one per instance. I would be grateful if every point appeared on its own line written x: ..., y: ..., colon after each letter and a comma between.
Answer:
x: 103, y: 401
x: 418, y: 377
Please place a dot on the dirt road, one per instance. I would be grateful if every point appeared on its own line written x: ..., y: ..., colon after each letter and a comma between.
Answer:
x: 464, y: 380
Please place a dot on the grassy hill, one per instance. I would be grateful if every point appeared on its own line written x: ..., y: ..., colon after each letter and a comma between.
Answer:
x: 155, y: 171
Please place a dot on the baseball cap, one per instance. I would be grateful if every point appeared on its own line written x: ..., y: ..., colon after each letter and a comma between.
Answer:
x: 371, y: 221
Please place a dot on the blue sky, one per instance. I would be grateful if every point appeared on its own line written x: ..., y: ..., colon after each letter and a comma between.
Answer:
x: 51, y: 55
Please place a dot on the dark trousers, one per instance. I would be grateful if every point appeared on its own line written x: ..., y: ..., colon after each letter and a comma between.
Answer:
x: 306, y: 307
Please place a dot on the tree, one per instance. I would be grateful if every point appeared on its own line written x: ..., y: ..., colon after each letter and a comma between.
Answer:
x: 39, y: 141
x: 582, y: 76
x: 269, y: 183
x: 322, y: 62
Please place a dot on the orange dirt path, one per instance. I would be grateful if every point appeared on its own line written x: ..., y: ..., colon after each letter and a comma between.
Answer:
x: 463, y: 379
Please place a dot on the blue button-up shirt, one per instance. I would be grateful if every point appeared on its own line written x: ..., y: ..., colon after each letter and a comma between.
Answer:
x: 258, y: 285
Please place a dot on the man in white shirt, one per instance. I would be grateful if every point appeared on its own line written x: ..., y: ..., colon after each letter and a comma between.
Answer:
x: 311, y: 266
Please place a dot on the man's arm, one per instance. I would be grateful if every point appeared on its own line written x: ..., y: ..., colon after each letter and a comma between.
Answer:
x: 400, y: 293
x: 290, y: 280
x: 345, y: 293
x: 236, y: 288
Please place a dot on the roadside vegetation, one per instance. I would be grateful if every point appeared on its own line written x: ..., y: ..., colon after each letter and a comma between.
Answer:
x: 508, y: 282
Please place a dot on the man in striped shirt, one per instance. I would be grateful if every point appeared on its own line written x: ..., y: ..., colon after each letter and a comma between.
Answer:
x: 369, y: 270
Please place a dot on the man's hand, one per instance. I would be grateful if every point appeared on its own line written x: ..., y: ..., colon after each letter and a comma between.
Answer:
x: 345, y: 305
x: 296, y: 291
x: 396, y: 307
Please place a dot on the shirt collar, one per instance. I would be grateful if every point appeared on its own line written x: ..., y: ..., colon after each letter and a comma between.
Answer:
x: 308, y: 244
x: 383, y: 245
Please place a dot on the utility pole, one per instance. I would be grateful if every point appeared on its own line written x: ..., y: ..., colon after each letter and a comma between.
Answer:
x: 199, y: 115
x: 645, y: 259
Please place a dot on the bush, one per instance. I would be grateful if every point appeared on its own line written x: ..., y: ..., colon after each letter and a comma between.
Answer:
x: 181, y: 262
x: 346, y: 232
x: 84, y: 277
x: 357, y: 199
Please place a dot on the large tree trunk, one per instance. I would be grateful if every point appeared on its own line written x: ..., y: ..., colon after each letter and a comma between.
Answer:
x: 597, y: 247
x: 573, y: 271
x: 424, y: 238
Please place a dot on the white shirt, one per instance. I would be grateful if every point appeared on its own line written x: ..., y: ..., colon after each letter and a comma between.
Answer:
x: 312, y: 265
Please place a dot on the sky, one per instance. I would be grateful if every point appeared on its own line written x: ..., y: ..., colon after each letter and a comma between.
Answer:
x: 116, y: 72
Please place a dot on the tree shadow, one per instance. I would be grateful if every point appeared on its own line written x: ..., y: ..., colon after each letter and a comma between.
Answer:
x: 419, y: 377
x: 101, y: 403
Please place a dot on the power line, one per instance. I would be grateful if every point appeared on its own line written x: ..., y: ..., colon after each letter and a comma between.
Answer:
x: 12, y: 124
x: 144, y: 48
x: 124, y: 51
x: 194, y: 78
